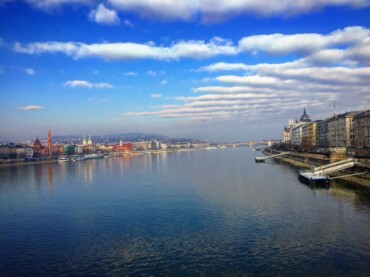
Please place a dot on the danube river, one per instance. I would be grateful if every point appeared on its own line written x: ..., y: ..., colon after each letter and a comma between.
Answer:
x: 197, y: 213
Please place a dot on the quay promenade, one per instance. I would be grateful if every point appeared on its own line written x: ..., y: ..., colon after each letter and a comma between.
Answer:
x: 307, y: 160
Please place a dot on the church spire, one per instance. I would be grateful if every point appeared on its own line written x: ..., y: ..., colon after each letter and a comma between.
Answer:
x: 84, y: 141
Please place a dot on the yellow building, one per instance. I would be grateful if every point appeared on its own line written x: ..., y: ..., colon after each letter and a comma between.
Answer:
x: 312, y: 133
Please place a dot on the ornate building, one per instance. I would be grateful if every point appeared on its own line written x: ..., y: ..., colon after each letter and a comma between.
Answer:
x: 293, y: 133
x: 39, y: 150
x: 304, y: 117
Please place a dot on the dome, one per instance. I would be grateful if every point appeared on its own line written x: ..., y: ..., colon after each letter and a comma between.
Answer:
x: 304, y: 117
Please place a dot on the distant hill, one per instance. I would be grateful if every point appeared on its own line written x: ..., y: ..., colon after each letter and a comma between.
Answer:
x: 133, y: 137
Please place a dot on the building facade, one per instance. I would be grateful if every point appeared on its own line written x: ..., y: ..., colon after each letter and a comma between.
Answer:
x: 341, y: 130
x: 293, y: 133
x: 361, y: 125
x: 309, y: 133
x: 297, y: 133
x: 322, y: 133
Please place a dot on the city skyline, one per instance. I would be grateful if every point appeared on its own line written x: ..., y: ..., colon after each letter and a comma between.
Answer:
x: 212, y: 70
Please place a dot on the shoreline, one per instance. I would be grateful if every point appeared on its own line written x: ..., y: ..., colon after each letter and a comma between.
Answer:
x: 15, y: 163
x: 354, y: 181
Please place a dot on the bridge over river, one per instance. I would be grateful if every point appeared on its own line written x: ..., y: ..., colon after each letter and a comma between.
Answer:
x: 253, y: 144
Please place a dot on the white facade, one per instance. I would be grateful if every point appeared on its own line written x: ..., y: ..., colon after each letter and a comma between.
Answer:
x: 296, y: 133
x: 287, y: 131
x: 28, y: 152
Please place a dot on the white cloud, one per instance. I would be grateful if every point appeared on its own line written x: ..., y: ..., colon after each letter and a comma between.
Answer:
x: 127, y: 50
x: 164, y: 82
x: 86, y: 84
x: 272, y: 90
x: 29, y: 71
x: 156, y: 95
x: 128, y: 23
x: 102, y: 15
x: 280, y: 44
x: 31, y: 108
x: 78, y: 84
x: 248, y: 80
x: 48, y: 4
x: 151, y: 73
x: 344, y: 46
x: 215, y: 10
x: 221, y: 66
x: 206, y: 10
x: 102, y: 85
x: 130, y: 73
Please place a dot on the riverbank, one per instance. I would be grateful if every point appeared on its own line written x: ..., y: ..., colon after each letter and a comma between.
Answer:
x: 307, y: 160
x: 22, y: 162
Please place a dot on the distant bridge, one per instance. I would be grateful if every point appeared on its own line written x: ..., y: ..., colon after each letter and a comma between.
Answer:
x: 252, y: 144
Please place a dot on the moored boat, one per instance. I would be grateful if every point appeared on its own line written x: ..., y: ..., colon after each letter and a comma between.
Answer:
x: 79, y: 158
x: 314, y: 178
x: 94, y: 156
x: 64, y: 159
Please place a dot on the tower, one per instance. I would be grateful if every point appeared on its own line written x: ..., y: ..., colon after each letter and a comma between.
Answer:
x: 305, y: 117
x: 84, y: 141
x: 90, y: 141
x: 120, y: 142
x: 50, y: 150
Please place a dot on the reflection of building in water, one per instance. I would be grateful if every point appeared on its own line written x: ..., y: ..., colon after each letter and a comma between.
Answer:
x: 38, y: 175
x: 88, y: 171
x: 50, y: 177
x: 50, y: 148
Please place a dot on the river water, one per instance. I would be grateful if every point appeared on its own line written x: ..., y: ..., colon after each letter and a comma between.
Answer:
x: 197, y: 213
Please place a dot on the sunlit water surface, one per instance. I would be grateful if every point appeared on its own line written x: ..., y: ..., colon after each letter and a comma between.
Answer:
x: 198, y: 213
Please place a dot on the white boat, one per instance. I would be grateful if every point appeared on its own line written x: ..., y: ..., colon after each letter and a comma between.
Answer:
x: 64, y: 159
x: 313, y: 178
x: 79, y: 158
x: 94, y: 156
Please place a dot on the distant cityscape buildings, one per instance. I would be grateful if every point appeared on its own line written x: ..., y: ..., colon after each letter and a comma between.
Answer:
x: 51, y: 150
x: 350, y: 129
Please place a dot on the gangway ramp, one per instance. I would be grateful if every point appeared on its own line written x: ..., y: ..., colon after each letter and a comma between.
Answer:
x: 262, y: 159
x: 333, y: 167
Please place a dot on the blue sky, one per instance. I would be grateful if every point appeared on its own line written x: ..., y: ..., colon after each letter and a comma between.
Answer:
x: 219, y: 70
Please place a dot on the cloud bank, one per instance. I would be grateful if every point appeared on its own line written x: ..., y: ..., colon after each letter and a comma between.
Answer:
x: 332, y: 67
x: 206, y: 10
x: 350, y: 45
x: 327, y: 67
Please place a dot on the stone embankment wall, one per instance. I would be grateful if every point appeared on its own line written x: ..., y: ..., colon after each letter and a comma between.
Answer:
x: 307, y: 161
